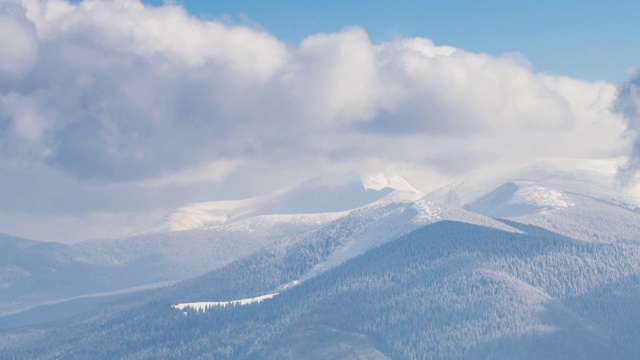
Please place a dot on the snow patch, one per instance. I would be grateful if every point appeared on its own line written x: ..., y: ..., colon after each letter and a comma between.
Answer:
x: 204, y: 306
x: 529, y: 193
x: 386, y: 180
x: 519, y: 198
x: 427, y: 213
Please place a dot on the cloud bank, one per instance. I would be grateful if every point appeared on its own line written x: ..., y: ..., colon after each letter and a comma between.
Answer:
x: 115, y: 107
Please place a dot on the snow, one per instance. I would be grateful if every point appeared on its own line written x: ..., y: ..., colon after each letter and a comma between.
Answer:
x: 283, y: 225
x: 381, y: 222
x: 204, y: 214
x: 594, y: 178
x: 530, y: 283
x: 580, y: 199
x: 367, y: 227
x: 386, y: 180
x: 529, y: 193
x: 204, y: 306
x: 313, y: 196
x: 589, y: 220
x: 519, y: 198
x: 575, y: 198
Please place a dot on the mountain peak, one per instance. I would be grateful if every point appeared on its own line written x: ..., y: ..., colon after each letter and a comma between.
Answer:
x: 327, y: 194
x: 519, y: 198
x: 386, y: 180
x: 545, y: 178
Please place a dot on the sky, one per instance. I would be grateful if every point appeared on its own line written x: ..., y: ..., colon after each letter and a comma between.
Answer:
x: 113, y: 113
x: 590, y: 40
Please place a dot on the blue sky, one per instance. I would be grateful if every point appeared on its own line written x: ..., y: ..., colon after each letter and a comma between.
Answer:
x: 592, y: 40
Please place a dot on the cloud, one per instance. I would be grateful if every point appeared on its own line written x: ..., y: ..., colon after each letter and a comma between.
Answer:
x: 18, y: 44
x: 628, y: 105
x: 335, y: 78
x: 27, y: 121
x: 129, y: 27
x: 210, y: 173
x: 453, y: 91
x: 117, y: 106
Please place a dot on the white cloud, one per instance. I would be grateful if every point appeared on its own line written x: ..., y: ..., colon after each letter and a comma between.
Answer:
x: 458, y: 91
x: 128, y: 26
x: 628, y: 106
x: 209, y: 173
x: 27, y: 121
x: 74, y: 228
x: 18, y: 46
x: 111, y: 104
x: 334, y: 77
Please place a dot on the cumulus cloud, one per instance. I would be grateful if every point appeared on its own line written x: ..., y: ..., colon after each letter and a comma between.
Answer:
x: 110, y: 104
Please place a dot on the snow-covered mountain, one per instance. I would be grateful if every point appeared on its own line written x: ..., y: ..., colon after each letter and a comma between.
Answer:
x: 203, y: 236
x: 193, y: 240
x: 11, y: 245
x: 593, y: 178
x: 314, y: 196
x: 448, y: 289
x: 581, y: 199
x: 539, y: 260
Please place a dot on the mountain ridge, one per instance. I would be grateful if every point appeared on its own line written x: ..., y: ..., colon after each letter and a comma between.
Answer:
x: 501, y: 266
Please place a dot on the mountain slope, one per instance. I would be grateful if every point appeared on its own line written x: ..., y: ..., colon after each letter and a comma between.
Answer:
x: 446, y: 290
x: 48, y: 273
x: 11, y: 245
x: 458, y: 291
x: 314, y: 196
x: 592, y: 178
x: 588, y: 219
x: 580, y: 200
x: 307, y: 255
x: 556, y: 277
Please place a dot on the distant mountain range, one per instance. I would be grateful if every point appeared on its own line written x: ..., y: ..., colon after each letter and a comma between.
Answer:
x: 536, y: 261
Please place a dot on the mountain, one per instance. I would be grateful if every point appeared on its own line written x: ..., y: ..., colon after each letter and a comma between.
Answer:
x: 581, y: 199
x: 11, y: 245
x: 302, y: 257
x: 454, y: 290
x: 200, y: 237
x: 327, y: 194
x: 535, y: 261
x: 593, y: 178
x: 46, y: 274
x: 446, y: 290
x: 570, y: 214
